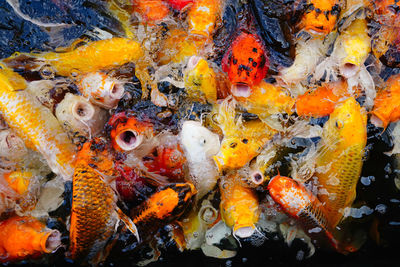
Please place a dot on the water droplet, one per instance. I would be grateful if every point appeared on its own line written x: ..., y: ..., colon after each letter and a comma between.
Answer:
x: 381, y: 208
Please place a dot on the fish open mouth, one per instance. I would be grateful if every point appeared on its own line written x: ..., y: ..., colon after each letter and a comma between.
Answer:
x: 128, y: 140
x: 117, y: 91
x: 244, y: 232
x: 257, y: 178
x: 241, y: 90
x: 349, y: 70
x: 83, y: 111
x: 53, y: 241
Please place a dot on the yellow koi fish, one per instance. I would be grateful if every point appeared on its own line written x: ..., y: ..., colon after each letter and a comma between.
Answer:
x: 338, y: 168
x: 35, y: 124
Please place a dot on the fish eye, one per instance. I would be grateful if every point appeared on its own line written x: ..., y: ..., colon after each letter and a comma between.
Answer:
x: 233, y: 145
x: 202, y: 141
x: 339, y: 124
x: 245, y: 141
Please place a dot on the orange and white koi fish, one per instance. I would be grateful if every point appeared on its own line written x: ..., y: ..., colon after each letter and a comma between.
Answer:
x: 26, y: 237
x: 308, y: 211
x: 202, y: 17
x: 36, y: 125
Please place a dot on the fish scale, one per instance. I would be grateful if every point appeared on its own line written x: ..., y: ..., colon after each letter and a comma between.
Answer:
x: 37, y: 126
x: 93, y: 215
x: 338, y: 168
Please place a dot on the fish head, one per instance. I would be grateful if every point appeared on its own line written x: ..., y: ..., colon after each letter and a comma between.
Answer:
x: 127, y: 133
x: 246, y: 63
x: 200, y: 79
x: 289, y: 194
x: 320, y: 16
x: 236, y: 152
x: 347, y: 123
x: 199, y: 142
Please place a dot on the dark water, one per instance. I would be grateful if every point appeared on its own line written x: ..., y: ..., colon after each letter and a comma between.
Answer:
x: 376, y: 188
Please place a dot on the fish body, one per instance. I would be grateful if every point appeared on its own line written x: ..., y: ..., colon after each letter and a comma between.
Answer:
x: 151, y: 10
x: 302, y: 205
x: 239, y: 207
x: 26, y: 237
x: 267, y: 99
x: 203, y: 16
x: 94, y: 212
x: 37, y: 126
x: 386, y: 106
x: 339, y: 163
x: 246, y: 63
x: 165, y: 205
x: 91, y: 57
x: 321, y: 101
x: 320, y: 16
x: 200, y: 80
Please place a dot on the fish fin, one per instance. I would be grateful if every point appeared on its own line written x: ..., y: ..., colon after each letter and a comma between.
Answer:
x: 128, y: 223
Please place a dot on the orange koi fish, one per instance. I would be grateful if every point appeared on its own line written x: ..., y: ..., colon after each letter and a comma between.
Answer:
x: 321, y: 101
x: 35, y: 124
x: 127, y: 132
x: 338, y: 165
x: 151, y: 10
x: 26, y: 237
x: 94, y: 212
x: 246, y: 63
x: 302, y: 205
x: 387, y: 103
x: 239, y: 207
x: 203, y: 16
x: 164, y: 206
x: 320, y: 16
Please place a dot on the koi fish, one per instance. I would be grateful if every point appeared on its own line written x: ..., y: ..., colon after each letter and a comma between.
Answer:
x: 267, y: 99
x: 165, y: 205
x: 79, y: 117
x: 151, y: 10
x: 127, y: 132
x: 94, y: 213
x: 92, y: 57
x: 12, y: 147
x: 180, y: 4
x: 36, y: 125
x: 26, y: 237
x: 339, y: 164
x: 203, y: 16
x: 309, y: 212
x: 166, y: 160
x: 321, y: 101
x: 19, y: 180
x: 246, y: 63
x: 200, y: 80
x: 200, y: 145
x: 386, y: 107
x: 239, y: 207
x: 320, y: 17
x: 242, y: 140
x: 101, y: 89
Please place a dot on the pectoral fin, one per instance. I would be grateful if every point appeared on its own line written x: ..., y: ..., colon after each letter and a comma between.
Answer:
x: 128, y: 223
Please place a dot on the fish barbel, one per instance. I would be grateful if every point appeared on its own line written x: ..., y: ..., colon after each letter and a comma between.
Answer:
x: 35, y: 124
x: 94, y: 213
x: 339, y: 163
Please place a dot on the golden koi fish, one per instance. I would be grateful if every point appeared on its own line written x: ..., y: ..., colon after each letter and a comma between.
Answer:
x: 338, y: 167
x: 35, y: 124
x: 94, y: 212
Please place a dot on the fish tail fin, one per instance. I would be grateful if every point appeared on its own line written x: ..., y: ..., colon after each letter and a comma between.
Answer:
x: 128, y: 223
